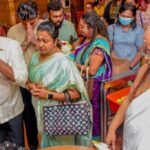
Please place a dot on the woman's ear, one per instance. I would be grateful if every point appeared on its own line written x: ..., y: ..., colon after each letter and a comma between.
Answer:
x: 91, y: 30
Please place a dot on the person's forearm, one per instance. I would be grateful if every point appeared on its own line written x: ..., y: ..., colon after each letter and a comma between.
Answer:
x: 6, y: 70
x: 84, y: 68
x: 74, y: 94
x: 136, y: 59
x: 139, y: 78
x: 44, y: 94
x: 120, y: 115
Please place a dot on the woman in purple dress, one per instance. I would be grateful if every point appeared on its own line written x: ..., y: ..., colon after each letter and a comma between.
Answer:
x: 94, y: 54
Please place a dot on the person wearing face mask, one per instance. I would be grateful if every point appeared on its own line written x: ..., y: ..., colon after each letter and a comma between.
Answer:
x: 136, y: 133
x: 126, y: 38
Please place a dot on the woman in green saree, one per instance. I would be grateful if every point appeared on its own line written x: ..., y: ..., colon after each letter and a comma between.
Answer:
x: 50, y: 74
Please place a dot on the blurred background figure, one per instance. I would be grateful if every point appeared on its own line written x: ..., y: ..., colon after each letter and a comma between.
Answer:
x: 89, y: 7
x: 99, y: 7
x: 111, y: 11
x: 143, y: 17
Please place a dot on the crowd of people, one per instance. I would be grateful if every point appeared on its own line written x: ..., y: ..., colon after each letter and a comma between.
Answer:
x: 36, y: 71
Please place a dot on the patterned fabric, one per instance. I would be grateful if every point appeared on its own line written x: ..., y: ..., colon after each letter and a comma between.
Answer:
x: 114, y: 9
x: 97, y: 51
x: 104, y: 71
x: 67, y: 119
x: 142, y: 19
x: 82, y: 56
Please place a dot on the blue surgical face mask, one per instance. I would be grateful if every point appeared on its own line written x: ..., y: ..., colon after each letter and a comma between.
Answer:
x: 125, y: 21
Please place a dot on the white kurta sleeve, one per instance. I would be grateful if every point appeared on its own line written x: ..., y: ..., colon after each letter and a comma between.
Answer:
x: 18, y: 64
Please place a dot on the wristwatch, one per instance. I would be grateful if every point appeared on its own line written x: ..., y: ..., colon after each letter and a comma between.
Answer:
x: 50, y: 96
x: 130, y: 68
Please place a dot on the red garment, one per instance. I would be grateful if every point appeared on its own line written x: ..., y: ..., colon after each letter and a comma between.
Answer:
x: 143, y: 5
x: 2, y: 31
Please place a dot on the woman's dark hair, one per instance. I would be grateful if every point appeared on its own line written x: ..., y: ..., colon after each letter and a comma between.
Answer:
x: 132, y: 8
x: 54, y: 5
x: 49, y: 27
x: 27, y: 10
x: 97, y: 24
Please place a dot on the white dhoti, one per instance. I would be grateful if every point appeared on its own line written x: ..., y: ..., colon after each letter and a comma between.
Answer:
x: 136, y: 134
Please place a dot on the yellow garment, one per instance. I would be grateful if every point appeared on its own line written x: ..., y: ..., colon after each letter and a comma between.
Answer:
x: 99, y: 10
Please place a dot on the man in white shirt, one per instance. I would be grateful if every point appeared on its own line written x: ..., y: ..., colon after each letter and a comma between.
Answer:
x: 13, y: 73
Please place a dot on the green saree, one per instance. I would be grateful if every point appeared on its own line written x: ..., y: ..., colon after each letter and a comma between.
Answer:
x: 57, y: 73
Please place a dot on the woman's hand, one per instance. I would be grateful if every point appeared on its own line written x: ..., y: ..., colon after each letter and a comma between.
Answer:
x: 40, y: 92
x: 31, y: 86
x: 111, y: 139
